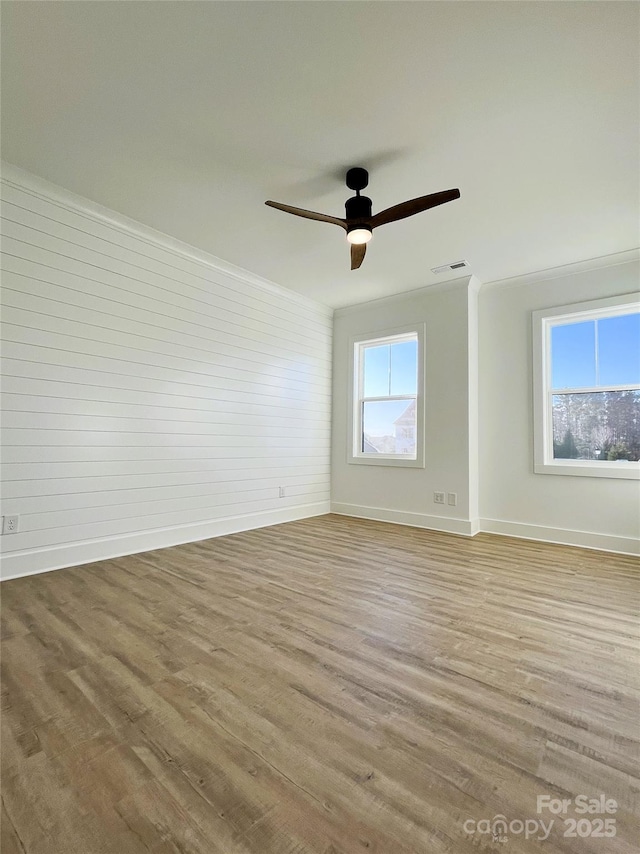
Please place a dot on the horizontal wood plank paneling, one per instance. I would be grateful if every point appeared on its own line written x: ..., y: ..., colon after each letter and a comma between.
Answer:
x: 62, y: 398
x: 147, y: 388
x: 64, y: 335
x: 180, y: 263
x: 92, y: 378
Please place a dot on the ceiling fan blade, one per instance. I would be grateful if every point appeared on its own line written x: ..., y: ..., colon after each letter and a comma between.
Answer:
x: 308, y: 214
x: 358, y: 251
x: 413, y: 206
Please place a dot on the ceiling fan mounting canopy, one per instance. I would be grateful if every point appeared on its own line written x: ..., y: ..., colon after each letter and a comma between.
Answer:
x: 359, y: 221
x: 357, y: 178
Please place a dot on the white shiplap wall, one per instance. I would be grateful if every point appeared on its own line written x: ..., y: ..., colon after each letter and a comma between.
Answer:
x: 152, y: 395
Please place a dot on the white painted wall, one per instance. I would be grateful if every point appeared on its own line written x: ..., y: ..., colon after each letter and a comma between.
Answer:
x: 479, y: 425
x: 152, y: 394
x: 406, y: 494
x: 598, y: 512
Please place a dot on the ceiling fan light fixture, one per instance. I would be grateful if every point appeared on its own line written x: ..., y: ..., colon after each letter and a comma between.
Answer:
x: 359, y: 221
x: 360, y: 234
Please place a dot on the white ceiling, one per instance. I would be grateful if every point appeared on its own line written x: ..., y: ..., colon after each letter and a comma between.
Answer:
x: 187, y: 116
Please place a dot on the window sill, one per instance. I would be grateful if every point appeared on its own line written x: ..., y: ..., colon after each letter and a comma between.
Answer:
x: 625, y: 471
x: 380, y: 460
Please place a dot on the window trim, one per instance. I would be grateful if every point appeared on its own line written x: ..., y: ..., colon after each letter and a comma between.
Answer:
x: 354, y: 427
x: 543, y: 321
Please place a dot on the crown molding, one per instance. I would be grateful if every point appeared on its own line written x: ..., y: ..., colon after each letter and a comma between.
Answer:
x: 406, y: 295
x: 41, y: 188
x: 550, y: 273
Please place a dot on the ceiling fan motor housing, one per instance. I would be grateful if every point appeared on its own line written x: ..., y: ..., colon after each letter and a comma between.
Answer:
x: 358, y: 208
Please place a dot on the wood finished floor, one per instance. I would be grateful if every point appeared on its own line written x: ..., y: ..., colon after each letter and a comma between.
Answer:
x: 329, y: 685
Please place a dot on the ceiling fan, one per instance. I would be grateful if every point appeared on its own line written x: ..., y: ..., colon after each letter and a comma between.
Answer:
x: 359, y: 221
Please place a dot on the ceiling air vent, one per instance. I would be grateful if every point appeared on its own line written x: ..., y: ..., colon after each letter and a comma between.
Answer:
x: 457, y: 265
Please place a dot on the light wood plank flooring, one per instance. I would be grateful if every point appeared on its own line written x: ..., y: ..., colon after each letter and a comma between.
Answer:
x: 330, y: 685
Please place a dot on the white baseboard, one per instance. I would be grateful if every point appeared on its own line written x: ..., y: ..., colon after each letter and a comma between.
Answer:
x: 562, y: 536
x: 464, y: 527
x: 34, y: 561
x: 474, y: 525
x: 471, y: 527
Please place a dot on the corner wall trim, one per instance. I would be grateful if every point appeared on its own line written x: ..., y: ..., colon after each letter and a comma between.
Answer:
x: 562, y: 536
x: 35, y: 561
x: 462, y: 527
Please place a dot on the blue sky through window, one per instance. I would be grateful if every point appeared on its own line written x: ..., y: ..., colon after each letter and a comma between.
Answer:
x: 376, y: 371
x: 573, y: 355
x: 389, y: 369
x: 619, y: 350
x: 573, y: 352
x: 404, y: 367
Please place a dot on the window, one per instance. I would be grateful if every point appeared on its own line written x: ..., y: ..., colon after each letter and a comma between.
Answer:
x: 587, y: 389
x: 388, y: 418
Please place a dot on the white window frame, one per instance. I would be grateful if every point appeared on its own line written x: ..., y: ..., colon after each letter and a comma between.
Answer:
x: 543, y: 323
x: 357, y: 344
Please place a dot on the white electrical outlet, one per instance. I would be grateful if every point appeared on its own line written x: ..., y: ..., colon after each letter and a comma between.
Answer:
x: 438, y: 497
x: 452, y: 498
x: 10, y: 524
x: 281, y: 492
